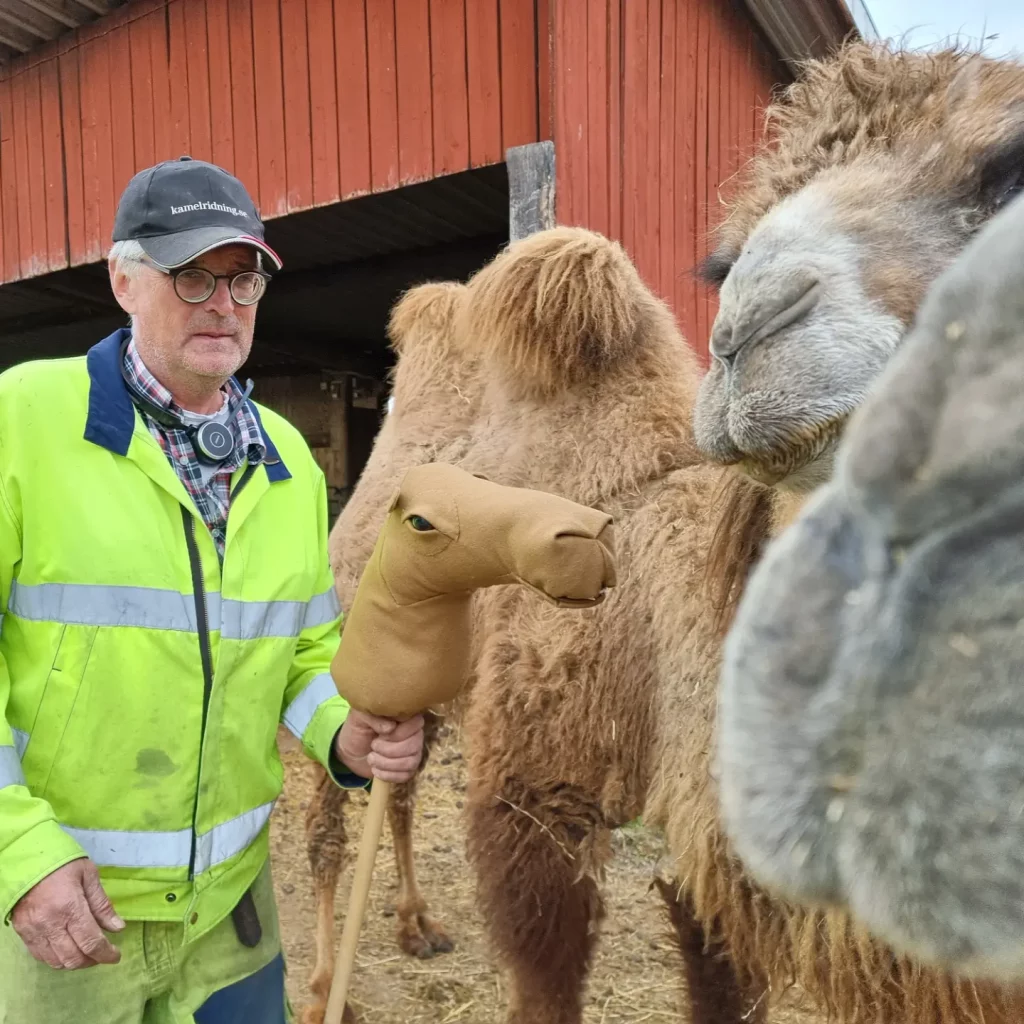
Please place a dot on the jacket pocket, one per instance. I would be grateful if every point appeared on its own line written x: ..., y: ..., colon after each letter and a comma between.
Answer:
x: 60, y: 695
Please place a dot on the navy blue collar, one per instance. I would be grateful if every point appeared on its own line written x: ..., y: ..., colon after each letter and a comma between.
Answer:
x: 111, y: 419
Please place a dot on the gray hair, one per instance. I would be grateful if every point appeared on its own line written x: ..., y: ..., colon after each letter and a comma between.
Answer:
x: 129, y: 255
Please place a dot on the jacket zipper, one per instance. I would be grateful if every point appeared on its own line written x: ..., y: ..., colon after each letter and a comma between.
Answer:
x: 203, y: 626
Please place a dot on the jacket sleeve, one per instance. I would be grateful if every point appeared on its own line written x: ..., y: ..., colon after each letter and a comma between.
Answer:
x: 313, y: 710
x: 32, y: 843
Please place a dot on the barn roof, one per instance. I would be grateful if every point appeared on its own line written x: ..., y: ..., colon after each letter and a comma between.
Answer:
x: 27, y: 24
x: 802, y: 29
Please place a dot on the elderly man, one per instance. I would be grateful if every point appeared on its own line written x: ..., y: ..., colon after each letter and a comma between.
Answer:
x: 166, y: 601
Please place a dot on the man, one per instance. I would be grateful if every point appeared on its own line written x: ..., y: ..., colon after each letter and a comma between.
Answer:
x: 167, y: 601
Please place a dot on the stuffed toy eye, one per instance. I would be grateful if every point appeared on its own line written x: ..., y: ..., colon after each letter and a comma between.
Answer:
x: 420, y: 524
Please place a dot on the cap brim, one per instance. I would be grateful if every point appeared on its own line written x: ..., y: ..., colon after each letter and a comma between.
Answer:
x: 173, y: 251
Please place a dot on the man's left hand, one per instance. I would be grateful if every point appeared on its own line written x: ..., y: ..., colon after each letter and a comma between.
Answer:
x: 380, y: 747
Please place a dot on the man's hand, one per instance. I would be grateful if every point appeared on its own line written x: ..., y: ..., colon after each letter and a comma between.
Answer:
x: 59, y: 919
x: 380, y: 747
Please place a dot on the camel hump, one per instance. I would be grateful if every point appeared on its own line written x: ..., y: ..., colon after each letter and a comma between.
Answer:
x: 557, y: 308
x: 426, y: 310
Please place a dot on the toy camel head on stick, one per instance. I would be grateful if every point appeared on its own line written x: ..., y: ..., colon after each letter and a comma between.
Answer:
x: 406, y: 642
x: 405, y: 646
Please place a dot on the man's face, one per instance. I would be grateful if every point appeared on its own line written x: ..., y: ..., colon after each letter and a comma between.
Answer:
x: 209, y: 339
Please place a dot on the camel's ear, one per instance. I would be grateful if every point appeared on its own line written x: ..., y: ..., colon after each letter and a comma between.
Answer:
x: 393, y: 503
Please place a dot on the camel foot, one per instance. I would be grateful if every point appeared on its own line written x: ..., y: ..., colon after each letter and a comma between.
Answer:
x: 422, y: 937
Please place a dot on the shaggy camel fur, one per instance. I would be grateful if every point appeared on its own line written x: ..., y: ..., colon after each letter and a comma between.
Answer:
x: 588, y: 387
x: 870, y: 718
x: 882, y: 166
x: 436, y: 400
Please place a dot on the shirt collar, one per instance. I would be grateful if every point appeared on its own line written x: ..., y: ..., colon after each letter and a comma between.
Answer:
x: 250, y: 436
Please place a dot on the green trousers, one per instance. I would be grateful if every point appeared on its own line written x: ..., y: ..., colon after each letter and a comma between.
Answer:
x: 158, y: 980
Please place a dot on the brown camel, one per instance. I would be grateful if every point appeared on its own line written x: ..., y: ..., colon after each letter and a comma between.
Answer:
x: 882, y: 166
x: 589, y: 388
x: 870, y: 712
x: 435, y: 402
x: 571, y: 729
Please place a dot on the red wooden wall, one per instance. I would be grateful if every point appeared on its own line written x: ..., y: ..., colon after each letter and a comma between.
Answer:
x: 307, y: 101
x: 654, y: 104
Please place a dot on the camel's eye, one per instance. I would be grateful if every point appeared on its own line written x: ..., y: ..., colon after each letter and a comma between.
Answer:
x: 715, y: 268
x: 420, y: 525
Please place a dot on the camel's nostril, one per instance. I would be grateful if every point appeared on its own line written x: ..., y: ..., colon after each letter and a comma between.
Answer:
x: 762, y: 315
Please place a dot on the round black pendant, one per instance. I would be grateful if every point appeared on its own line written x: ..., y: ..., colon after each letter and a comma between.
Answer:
x: 214, y: 441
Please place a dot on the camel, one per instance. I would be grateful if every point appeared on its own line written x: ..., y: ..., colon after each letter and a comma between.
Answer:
x: 435, y: 401
x: 587, y: 388
x: 870, y: 723
x: 881, y: 166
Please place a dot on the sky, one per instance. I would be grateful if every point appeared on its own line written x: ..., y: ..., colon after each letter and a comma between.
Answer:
x: 928, y: 22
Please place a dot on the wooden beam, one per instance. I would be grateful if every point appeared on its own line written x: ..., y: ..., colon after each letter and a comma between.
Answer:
x: 8, y: 17
x: 97, y: 8
x: 531, y: 188
x: 52, y: 11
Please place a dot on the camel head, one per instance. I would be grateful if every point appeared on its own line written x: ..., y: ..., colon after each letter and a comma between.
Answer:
x: 871, y: 711
x: 881, y: 166
x: 431, y: 379
x: 406, y: 641
x: 436, y: 398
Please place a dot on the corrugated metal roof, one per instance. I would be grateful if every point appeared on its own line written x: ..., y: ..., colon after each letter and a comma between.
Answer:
x: 26, y: 24
x: 441, y: 210
x: 803, y: 29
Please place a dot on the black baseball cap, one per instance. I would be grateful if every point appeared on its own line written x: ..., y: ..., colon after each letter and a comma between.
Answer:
x: 179, y: 209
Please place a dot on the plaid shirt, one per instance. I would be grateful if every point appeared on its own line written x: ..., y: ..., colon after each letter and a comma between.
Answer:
x: 213, y: 498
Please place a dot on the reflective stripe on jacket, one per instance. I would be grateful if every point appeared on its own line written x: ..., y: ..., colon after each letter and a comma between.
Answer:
x: 141, y: 683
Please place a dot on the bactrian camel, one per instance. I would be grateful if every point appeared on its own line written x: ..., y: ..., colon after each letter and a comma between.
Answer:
x: 871, y: 721
x: 882, y: 166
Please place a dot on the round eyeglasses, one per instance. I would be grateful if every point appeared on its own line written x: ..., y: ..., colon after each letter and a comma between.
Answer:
x: 196, y: 284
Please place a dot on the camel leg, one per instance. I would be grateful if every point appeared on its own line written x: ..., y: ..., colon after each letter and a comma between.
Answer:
x: 541, y: 910
x: 325, y: 847
x: 715, y: 993
x: 419, y: 934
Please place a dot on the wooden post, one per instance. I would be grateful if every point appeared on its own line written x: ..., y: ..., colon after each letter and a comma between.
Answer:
x: 531, y: 188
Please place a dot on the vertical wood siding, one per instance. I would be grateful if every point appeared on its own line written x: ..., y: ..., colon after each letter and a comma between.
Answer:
x: 656, y: 104
x: 308, y: 101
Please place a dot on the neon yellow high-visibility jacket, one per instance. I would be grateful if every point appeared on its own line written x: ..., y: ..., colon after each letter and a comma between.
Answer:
x: 141, y: 683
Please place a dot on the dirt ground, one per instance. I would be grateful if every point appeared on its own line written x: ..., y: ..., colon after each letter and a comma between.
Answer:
x: 636, y: 976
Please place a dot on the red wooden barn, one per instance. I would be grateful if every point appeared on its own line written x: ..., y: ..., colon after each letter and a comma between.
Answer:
x: 374, y: 135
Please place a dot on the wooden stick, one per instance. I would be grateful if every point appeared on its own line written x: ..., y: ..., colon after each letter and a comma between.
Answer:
x: 372, y: 827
